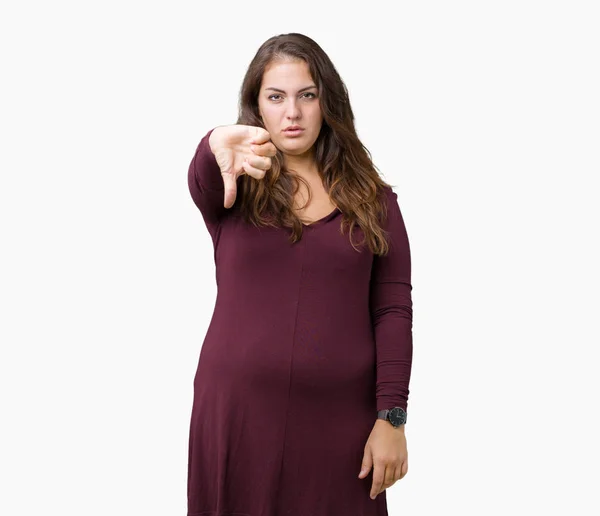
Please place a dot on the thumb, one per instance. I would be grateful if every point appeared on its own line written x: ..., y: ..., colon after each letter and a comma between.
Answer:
x: 367, y: 464
x: 230, y: 183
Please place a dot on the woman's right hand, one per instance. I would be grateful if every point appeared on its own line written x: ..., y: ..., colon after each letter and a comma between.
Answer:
x: 241, y: 149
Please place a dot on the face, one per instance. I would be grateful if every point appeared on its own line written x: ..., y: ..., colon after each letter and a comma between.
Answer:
x: 284, y: 100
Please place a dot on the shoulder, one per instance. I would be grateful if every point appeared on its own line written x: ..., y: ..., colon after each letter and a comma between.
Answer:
x: 386, y: 192
x: 388, y: 197
x: 391, y: 211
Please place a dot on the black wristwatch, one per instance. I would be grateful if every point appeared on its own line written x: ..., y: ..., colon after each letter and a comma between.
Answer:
x: 396, y: 416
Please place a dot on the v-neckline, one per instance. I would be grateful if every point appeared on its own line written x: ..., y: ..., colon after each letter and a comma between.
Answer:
x: 322, y: 219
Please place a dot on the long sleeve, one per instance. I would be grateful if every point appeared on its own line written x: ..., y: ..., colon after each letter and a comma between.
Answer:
x: 206, y: 185
x: 391, y: 312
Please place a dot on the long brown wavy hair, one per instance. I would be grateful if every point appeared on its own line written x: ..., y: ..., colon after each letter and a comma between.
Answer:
x: 344, y: 163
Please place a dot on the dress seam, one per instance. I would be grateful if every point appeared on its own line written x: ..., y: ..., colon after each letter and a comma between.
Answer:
x: 303, y: 243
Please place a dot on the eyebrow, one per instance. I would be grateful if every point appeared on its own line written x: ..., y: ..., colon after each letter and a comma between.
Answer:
x: 299, y: 91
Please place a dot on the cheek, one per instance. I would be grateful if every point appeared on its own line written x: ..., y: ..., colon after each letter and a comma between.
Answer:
x: 269, y: 115
x: 315, y: 113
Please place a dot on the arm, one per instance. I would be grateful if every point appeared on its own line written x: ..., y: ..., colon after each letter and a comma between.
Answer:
x: 206, y: 185
x: 391, y: 312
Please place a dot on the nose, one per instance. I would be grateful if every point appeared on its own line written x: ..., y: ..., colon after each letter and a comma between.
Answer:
x: 293, y: 110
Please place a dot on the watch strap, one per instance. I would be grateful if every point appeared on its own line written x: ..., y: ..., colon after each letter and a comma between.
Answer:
x: 396, y: 416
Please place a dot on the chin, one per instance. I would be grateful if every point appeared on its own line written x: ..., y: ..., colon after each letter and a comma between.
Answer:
x: 295, y: 151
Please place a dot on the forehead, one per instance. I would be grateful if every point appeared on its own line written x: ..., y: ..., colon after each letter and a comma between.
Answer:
x: 286, y: 75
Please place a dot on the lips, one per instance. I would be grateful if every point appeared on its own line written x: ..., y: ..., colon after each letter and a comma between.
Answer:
x: 293, y: 132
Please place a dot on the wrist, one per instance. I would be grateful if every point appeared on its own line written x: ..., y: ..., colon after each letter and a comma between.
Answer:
x: 396, y: 416
x: 384, y: 423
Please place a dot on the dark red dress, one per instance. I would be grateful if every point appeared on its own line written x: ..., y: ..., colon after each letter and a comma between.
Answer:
x: 306, y: 342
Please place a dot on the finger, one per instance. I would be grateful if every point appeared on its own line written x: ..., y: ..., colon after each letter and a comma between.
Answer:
x: 259, y: 135
x: 367, y: 462
x: 252, y: 171
x: 230, y: 190
x: 260, y: 162
x: 397, y: 473
x: 404, y: 469
x: 392, y: 475
x: 264, y: 149
x: 387, y: 471
x: 389, y: 478
x: 378, y: 475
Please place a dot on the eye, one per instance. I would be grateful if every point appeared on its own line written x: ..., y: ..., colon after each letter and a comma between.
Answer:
x: 277, y: 95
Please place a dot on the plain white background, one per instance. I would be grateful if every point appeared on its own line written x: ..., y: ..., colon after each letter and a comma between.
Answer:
x: 485, y: 117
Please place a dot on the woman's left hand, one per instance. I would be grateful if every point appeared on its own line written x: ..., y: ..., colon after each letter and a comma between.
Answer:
x: 386, y: 453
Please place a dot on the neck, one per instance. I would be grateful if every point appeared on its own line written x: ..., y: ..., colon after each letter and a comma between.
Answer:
x: 303, y: 165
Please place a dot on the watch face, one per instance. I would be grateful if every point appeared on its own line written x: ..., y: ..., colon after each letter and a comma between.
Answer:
x: 397, y: 416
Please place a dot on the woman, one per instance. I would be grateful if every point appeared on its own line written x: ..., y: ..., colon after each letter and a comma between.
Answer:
x: 301, y: 390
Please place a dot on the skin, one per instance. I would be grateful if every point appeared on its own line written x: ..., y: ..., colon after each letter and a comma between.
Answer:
x: 282, y: 101
x: 285, y: 100
x: 387, y: 454
x: 280, y: 109
x: 240, y: 149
